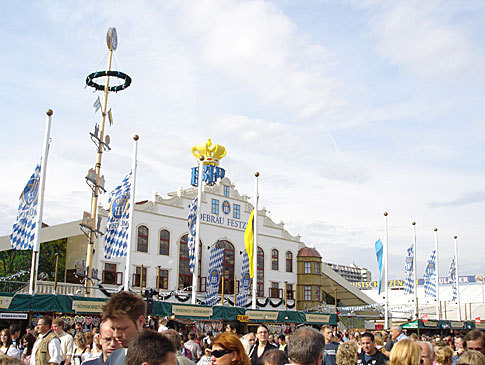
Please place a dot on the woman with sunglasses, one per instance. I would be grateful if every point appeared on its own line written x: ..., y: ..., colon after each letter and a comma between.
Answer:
x: 261, y: 346
x: 227, y: 349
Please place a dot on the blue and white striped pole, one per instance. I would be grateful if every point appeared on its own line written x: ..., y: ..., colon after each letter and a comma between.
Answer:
x: 197, y: 230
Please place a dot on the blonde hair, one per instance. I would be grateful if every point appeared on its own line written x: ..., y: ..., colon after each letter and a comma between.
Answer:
x: 405, y: 352
x: 444, y: 355
x: 347, y: 353
x: 472, y: 357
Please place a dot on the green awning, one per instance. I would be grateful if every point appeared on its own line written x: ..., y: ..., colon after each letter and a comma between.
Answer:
x: 291, y: 317
x: 226, y: 313
x: 162, y: 309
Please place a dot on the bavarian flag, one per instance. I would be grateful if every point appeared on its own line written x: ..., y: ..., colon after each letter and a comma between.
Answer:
x: 249, y: 243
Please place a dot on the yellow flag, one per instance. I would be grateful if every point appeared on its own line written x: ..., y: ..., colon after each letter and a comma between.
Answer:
x: 249, y: 242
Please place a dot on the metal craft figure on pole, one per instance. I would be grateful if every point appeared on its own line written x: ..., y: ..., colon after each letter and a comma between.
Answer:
x: 95, y: 180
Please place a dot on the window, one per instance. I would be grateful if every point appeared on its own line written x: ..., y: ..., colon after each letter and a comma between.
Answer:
x: 215, y: 206
x: 289, y: 261
x: 164, y: 242
x: 317, y: 267
x: 227, y: 266
x: 163, y: 279
x: 185, y: 277
x: 289, y: 291
x: 308, y: 292
x: 317, y: 293
x: 142, y: 239
x: 227, y: 190
x: 109, y: 274
x: 274, y: 259
x: 308, y: 267
x: 260, y: 274
x: 136, y: 279
x: 236, y: 211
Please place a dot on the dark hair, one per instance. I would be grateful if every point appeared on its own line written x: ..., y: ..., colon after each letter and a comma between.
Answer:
x: 149, y: 346
x: 473, y: 336
x: 306, y: 344
x: 282, y: 337
x: 368, y: 334
x: 174, y: 337
x: 47, y: 320
x: 30, y: 343
x: 124, y: 303
x: 191, y: 336
x: 14, y: 327
x: 235, y: 325
x: 275, y: 357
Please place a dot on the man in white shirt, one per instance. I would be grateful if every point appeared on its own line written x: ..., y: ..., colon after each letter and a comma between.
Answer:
x: 47, y: 348
x: 66, y: 340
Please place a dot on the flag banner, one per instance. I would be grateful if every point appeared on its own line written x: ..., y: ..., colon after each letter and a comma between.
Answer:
x: 408, y: 271
x: 249, y: 243
x: 430, y: 276
x: 116, y: 238
x: 23, y: 232
x: 243, y: 295
x: 215, y: 266
x: 97, y: 104
x: 380, y: 262
x: 452, y: 276
x: 110, y: 117
x: 192, y: 221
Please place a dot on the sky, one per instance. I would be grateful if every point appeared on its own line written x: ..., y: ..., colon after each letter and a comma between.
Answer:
x: 348, y: 109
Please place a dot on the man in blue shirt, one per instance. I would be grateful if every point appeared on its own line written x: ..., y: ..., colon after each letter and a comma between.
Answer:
x: 330, y: 353
x: 370, y: 355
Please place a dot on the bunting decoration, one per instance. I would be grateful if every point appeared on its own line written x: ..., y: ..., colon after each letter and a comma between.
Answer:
x: 192, y: 221
x: 215, y: 266
x: 380, y: 261
x: 116, y: 238
x: 430, y: 276
x: 453, y: 278
x: 23, y: 232
x: 243, y: 295
x: 408, y: 271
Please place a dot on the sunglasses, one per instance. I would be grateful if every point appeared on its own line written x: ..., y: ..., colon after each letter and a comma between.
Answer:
x: 219, y: 353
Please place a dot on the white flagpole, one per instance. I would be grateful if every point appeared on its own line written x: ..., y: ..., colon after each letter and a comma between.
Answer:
x: 255, y: 240
x: 132, y: 212
x: 437, y: 271
x: 386, y: 256
x: 457, y: 279
x: 415, y: 263
x: 40, y: 205
x: 197, y: 230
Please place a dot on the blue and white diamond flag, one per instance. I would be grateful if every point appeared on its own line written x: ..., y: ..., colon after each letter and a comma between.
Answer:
x: 243, y: 295
x: 453, y: 277
x: 430, y: 276
x: 215, y: 265
x: 116, y: 237
x: 408, y: 271
x: 23, y: 232
x: 191, y: 222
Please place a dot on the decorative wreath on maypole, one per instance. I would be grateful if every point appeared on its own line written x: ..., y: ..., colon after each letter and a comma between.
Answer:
x: 118, y: 74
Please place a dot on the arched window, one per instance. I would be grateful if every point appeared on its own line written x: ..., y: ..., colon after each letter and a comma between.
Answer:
x: 227, y: 266
x: 142, y: 239
x: 260, y: 275
x: 185, y: 276
x: 289, y: 261
x: 274, y: 259
x: 164, y: 242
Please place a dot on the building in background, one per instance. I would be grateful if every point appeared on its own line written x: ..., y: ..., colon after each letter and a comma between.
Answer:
x: 352, y: 273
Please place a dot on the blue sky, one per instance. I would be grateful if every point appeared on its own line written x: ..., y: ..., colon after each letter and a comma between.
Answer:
x: 347, y: 108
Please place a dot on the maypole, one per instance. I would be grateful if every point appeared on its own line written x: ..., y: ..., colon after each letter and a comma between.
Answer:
x: 96, y: 182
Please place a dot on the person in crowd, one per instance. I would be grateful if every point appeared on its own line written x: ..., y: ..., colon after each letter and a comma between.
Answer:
x: 89, y: 336
x: 81, y: 350
x: 427, y: 353
x: 176, y: 340
x: 151, y: 348
x: 405, y: 352
x: 227, y: 349
x: 276, y: 357
x: 444, y: 355
x: 184, y: 350
x: 66, y: 340
x: 7, y: 360
x: 330, y: 355
x: 396, y: 336
x: 472, y: 357
x: 162, y: 325
x: 234, y: 327
x: 459, y: 343
x: 282, y: 345
x: 206, y: 358
x: 306, y: 347
x: 8, y: 348
x: 413, y: 337
x: 369, y: 354
x: 47, y: 348
x: 96, y: 349
x: 193, y: 347
x: 271, y: 340
x: 28, y: 341
x: 475, y: 340
x: 248, y: 341
x: 79, y: 327
x: 108, y: 344
x: 15, y: 334
x: 261, y: 346
x: 347, y: 353
x: 126, y: 312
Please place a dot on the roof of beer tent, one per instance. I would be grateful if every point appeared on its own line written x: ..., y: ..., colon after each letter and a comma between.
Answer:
x: 347, y: 294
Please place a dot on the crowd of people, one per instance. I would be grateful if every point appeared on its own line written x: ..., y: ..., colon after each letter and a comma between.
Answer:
x: 123, y: 339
